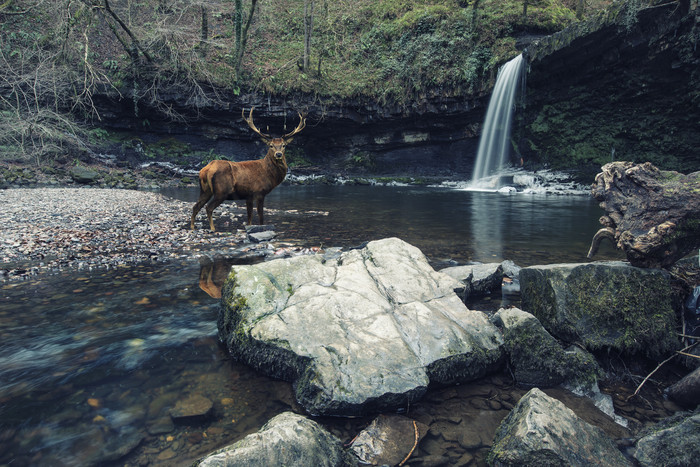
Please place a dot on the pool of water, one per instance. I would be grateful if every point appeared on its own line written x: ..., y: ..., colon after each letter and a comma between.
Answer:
x: 445, y: 224
x: 92, y: 363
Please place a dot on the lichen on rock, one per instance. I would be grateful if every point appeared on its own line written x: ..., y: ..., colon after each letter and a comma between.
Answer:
x: 537, y: 358
x: 603, y: 305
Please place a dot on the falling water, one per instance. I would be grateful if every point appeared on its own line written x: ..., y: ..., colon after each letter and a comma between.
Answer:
x: 495, y: 138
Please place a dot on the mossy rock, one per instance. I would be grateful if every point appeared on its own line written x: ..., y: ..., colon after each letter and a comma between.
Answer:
x: 537, y: 358
x: 84, y: 175
x: 603, y: 305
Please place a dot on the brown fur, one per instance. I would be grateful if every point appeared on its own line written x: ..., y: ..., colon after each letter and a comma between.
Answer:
x: 249, y: 180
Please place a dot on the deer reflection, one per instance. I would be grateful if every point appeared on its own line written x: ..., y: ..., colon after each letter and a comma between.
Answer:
x: 212, y: 277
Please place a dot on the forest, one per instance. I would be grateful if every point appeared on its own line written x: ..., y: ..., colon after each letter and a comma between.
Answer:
x: 61, y: 59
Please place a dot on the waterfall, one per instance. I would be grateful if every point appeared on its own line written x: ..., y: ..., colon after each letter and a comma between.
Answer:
x: 495, y: 137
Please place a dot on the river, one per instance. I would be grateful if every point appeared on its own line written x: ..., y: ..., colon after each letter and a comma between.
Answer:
x: 92, y: 362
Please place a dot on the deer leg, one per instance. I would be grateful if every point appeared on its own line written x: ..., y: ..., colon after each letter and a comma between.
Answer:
x: 261, y: 201
x: 249, y: 208
x: 213, y: 204
x: 203, y: 198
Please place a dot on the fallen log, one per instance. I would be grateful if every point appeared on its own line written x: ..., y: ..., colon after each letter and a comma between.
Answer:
x: 652, y: 215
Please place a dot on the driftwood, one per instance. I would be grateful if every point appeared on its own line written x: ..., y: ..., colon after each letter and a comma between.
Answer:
x: 651, y: 215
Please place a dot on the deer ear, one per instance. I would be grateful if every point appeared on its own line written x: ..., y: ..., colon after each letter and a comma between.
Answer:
x: 288, y: 140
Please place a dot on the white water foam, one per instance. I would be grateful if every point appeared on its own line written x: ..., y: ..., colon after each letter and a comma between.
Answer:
x: 520, y: 181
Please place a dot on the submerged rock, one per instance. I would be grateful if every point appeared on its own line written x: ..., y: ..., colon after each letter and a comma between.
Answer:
x: 193, y: 409
x: 603, y: 305
x: 363, y: 331
x: 673, y: 442
x: 537, y: 358
x: 287, y: 439
x: 542, y: 431
x: 388, y: 440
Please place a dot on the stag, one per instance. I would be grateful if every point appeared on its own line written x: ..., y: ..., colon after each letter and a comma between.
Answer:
x: 249, y: 180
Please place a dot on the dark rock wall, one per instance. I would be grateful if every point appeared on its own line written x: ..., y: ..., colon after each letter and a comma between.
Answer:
x: 622, y: 86
x: 437, y: 137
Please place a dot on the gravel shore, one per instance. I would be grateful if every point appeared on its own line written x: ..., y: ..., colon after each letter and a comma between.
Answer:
x: 45, y: 229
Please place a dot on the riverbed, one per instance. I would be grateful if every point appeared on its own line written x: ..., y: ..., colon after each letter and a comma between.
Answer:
x: 96, y: 349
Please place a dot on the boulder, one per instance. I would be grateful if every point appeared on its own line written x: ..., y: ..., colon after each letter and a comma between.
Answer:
x: 603, y: 305
x: 287, y: 439
x: 542, y: 431
x: 537, y: 358
x: 687, y: 391
x: 673, y: 442
x: 363, y: 331
x: 651, y: 215
x: 84, y: 175
x: 388, y: 440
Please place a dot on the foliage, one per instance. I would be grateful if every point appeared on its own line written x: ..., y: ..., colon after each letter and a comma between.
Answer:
x: 57, y: 55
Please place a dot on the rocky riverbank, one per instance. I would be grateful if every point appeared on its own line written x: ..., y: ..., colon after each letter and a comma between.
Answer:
x: 55, y: 228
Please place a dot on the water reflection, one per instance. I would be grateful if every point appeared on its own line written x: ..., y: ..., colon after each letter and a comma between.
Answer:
x: 212, y: 277
x: 487, y: 224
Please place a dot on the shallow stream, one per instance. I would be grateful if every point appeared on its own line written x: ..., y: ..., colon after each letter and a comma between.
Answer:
x: 92, y: 363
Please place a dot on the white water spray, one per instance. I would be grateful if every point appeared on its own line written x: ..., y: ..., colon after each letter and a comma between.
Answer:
x: 495, y: 137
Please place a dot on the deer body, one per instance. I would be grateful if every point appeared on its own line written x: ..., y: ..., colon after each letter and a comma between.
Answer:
x: 249, y: 180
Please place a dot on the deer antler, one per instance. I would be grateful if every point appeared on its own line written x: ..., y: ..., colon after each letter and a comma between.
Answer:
x: 301, y: 126
x: 252, y: 126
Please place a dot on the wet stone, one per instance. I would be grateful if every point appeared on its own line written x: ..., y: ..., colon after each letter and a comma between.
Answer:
x: 166, y: 454
x: 388, y: 440
x: 161, y: 426
x: 194, y: 409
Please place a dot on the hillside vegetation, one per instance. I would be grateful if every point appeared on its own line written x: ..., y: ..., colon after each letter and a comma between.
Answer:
x: 57, y: 57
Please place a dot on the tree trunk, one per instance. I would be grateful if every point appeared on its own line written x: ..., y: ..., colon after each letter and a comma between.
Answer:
x: 308, y: 28
x: 652, y: 215
x: 204, y: 36
x: 241, y: 32
x: 580, y: 6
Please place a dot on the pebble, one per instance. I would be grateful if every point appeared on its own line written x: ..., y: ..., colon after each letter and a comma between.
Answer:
x: 44, y: 229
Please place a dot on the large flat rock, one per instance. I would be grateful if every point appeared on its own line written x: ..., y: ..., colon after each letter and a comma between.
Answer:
x: 364, y: 331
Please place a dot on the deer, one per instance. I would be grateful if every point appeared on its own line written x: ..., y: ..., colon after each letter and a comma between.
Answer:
x: 252, y: 180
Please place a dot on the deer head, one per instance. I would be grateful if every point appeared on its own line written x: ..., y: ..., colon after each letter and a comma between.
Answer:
x: 276, y: 146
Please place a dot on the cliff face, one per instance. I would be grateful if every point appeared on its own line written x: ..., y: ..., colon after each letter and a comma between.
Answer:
x: 623, y: 86
x: 436, y: 137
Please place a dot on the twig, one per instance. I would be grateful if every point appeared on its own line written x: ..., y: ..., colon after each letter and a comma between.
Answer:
x: 659, y: 366
x: 688, y: 354
x: 415, y: 443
